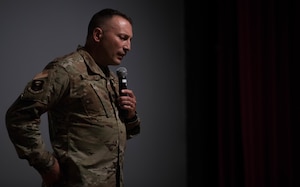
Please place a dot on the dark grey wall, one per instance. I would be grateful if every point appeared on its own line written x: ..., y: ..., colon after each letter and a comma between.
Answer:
x: 35, y: 32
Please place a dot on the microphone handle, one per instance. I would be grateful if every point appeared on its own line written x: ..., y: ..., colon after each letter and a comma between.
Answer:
x: 122, y: 85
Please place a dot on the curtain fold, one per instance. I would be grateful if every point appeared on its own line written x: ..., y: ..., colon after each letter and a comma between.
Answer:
x: 255, y: 127
x: 244, y: 121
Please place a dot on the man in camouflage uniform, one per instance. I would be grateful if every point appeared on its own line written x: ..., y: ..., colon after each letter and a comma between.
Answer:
x: 81, y: 97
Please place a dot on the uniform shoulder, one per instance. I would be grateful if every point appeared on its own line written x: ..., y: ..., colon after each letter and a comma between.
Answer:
x: 69, y: 62
x: 73, y: 57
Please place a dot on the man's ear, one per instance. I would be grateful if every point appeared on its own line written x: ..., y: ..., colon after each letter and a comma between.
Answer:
x: 97, y: 34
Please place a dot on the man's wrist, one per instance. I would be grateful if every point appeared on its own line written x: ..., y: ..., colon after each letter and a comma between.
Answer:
x: 132, y: 119
x: 47, y: 167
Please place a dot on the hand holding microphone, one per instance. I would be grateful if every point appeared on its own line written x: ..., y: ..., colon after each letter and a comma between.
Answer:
x: 122, y: 73
x: 127, y: 103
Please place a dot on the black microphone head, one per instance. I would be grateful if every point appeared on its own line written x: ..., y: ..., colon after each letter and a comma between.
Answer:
x: 122, y: 72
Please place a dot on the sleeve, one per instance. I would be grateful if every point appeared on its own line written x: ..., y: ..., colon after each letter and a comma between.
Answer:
x: 23, y: 117
x: 133, y: 126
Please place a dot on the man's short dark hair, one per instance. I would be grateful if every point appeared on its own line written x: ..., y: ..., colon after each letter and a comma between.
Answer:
x: 100, y: 17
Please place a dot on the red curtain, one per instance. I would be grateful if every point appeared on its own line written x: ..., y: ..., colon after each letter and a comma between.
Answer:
x: 257, y: 89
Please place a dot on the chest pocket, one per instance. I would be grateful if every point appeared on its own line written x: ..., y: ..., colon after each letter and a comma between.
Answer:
x: 95, y: 95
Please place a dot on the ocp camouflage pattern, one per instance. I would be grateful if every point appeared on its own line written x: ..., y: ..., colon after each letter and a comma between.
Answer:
x: 87, y: 134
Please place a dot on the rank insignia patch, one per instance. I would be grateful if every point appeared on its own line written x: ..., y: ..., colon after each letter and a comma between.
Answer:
x: 36, y: 86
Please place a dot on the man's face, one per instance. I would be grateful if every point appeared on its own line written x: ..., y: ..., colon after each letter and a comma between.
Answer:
x: 115, y: 41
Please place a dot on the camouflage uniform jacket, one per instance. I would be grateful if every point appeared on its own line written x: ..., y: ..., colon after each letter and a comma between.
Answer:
x: 87, y: 134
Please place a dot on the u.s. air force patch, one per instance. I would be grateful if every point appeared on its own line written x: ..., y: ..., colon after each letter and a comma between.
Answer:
x: 37, y: 83
x: 36, y: 86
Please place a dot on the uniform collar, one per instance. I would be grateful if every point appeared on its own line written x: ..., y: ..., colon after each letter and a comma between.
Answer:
x: 90, y: 62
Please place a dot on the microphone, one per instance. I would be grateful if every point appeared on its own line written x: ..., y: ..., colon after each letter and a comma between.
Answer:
x: 122, y: 73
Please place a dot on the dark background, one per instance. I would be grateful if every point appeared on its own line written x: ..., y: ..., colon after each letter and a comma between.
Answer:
x: 242, y: 57
x: 216, y: 81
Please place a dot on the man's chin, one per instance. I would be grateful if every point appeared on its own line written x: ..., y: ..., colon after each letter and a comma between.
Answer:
x: 116, y: 62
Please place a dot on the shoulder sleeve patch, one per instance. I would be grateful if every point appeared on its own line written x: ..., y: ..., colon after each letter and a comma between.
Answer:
x: 37, y: 83
x: 36, y: 86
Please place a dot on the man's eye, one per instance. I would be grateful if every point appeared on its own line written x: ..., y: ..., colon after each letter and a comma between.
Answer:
x: 123, y: 37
